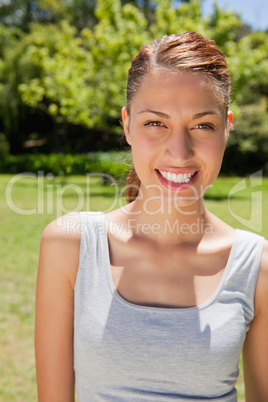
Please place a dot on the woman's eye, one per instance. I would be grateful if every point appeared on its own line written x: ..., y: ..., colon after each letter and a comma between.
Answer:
x: 154, y: 124
x: 204, y: 126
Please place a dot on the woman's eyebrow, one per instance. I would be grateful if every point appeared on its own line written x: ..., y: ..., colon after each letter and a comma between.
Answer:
x: 166, y: 116
x: 198, y: 115
x: 160, y: 114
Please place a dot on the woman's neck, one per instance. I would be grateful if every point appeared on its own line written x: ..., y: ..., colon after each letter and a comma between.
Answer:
x: 166, y: 224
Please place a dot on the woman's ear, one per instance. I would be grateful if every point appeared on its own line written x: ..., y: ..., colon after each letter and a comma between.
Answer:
x: 125, y: 120
x: 230, y: 116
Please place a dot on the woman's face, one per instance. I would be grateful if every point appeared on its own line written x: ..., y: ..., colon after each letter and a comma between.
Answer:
x: 177, y: 129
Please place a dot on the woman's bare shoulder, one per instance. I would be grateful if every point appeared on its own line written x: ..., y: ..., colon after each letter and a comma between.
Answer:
x: 256, y: 345
x: 262, y: 285
x: 264, y: 266
x: 60, y: 247
x: 65, y: 228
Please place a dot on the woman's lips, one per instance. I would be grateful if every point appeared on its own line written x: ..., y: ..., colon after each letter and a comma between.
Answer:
x: 177, y: 181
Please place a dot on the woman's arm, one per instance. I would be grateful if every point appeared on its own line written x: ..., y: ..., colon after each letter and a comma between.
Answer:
x: 255, y: 353
x: 58, y: 263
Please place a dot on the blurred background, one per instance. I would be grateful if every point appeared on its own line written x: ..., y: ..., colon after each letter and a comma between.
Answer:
x: 63, y: 69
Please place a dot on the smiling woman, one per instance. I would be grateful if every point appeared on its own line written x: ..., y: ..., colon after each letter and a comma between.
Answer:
x: 200, y: 60
x: 191, y: 124
x: 155, y: 301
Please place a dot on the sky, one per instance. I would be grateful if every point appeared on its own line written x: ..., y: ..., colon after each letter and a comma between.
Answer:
x: 254, y: 12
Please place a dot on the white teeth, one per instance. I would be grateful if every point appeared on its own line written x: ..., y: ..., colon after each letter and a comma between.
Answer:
x: 177, y: 178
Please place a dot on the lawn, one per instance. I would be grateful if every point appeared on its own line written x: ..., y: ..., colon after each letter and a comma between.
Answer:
x: 28, y: 203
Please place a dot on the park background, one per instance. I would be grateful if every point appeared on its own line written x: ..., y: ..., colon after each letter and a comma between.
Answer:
x: 63, y: 69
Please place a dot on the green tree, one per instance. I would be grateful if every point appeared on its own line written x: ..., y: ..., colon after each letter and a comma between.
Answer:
x: 19, y: 13
x: 11, y: 107
x: 248, y: 59
x: 248, y: 144
x: 82, y: 80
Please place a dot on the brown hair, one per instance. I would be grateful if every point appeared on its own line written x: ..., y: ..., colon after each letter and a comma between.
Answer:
x: 187, y: 52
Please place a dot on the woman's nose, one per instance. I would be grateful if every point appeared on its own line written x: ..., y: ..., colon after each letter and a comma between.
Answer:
x: 180, y: 147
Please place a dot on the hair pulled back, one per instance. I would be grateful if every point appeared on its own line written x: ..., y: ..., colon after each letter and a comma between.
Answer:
x: 188, y: 52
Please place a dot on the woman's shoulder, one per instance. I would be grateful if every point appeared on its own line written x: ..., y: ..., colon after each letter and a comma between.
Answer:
x: 264, y: 266
x: 64, y: 228
x: 262, y: 284
x: 265, y: 255
x: 60, y: 247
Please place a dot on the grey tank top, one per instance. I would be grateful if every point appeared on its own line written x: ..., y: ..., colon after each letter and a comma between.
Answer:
x: 127, y: 352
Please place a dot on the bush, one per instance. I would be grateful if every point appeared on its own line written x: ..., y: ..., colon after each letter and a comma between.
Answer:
x: 247, y: 147
x: 112, y: 163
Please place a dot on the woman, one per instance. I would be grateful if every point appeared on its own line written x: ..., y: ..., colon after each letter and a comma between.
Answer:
x: 155, y: 301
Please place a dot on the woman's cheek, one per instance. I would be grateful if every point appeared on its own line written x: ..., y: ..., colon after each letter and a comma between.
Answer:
x: 145, y: 145
x: 214, y: 149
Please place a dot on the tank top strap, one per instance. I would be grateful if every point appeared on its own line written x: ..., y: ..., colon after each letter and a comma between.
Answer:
x: 93, y: 255
x: 243, y: 271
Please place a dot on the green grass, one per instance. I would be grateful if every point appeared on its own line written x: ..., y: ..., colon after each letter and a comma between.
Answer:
x: 22, y: 219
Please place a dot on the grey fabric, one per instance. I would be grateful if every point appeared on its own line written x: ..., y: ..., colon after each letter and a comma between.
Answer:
x: 126, y: 352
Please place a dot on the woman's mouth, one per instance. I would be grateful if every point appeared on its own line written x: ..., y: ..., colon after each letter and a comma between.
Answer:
x: 177, y: 178
x: 177, y: 181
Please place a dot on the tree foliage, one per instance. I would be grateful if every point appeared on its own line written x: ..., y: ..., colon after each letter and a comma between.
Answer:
x: 81, y: 79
